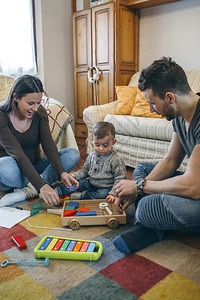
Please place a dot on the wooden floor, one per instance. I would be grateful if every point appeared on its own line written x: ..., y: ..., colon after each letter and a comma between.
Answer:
x: 83, y: 156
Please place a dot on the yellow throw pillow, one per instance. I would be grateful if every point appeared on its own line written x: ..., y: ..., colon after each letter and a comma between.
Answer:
x: 141, y: 107
x: 126, y: 99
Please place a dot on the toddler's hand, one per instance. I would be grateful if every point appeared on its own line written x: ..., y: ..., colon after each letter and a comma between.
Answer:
x: 111, y: 198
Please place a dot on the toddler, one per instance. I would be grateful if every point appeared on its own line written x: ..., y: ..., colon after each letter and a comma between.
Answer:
x: 103, y: 168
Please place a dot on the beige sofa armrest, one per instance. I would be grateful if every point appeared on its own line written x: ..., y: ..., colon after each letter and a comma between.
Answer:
x: 94, y: 114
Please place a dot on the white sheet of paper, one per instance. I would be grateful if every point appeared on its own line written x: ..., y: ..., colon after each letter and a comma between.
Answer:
x: 10, y: 216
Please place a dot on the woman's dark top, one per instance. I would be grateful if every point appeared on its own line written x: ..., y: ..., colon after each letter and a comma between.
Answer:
x: 24, y: 147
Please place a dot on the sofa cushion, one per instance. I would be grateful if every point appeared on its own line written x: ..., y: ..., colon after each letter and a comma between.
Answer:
x: 59, y: 117
x: 141, y: 107
x: 126, y: 96
x: 151, y: 128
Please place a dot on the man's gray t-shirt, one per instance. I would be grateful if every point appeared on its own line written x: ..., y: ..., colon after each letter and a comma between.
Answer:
x: 191, y: 138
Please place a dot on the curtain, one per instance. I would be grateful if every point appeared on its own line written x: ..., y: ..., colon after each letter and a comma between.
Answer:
x: 17, y: 48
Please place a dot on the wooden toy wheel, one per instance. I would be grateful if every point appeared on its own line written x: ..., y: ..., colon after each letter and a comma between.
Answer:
x: 113, y: 223
x: 74, y: 224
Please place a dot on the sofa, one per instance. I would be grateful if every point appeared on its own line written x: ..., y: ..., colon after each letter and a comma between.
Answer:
x: 139, y: 139
x: 59, y: 117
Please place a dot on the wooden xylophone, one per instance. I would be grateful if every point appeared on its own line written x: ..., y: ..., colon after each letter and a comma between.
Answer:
x: 66, y: 248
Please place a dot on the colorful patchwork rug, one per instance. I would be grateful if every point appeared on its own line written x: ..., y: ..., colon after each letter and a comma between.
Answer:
x: 167, y: 270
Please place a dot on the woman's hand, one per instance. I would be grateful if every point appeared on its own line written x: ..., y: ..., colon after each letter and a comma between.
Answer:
x: 68, y: 179
x: 125, y: 188
x: 111, y: 198
x: 72, y: 174
x: 49, y: 195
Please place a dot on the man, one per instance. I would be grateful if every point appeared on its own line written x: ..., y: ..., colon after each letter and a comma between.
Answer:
x: 166, y: 199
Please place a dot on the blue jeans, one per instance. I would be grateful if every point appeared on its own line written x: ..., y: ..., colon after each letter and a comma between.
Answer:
x: 89, y: 191
x: 166, y: 212
x: 11, y: 176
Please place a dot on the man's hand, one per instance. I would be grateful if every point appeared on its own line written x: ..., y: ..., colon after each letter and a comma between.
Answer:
x: 49, y: 195
x: 111, y: 198
x: 125, y: 188
x: 128, y: 200
x: 68, y: 179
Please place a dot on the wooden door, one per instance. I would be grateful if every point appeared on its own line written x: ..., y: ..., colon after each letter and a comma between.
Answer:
x: 82, y: 54
x: 103, y: 49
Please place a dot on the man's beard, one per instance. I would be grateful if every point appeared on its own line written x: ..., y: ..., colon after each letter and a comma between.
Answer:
x: 169, y: 113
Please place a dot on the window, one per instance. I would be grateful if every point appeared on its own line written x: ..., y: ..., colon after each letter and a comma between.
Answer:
x: 17, y: 50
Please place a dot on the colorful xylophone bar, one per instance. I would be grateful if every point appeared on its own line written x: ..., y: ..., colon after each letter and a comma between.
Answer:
x: 64, y: 248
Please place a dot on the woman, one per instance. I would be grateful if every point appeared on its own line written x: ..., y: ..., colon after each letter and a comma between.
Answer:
x: 23, y: 127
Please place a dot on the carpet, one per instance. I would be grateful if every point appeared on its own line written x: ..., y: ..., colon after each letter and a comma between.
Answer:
x: 167, y: 270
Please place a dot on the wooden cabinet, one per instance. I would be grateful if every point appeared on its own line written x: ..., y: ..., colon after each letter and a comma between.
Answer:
x: 139, y: 4
x: 106, y: 37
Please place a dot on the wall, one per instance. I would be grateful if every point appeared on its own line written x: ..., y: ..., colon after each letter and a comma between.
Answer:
x: 54, y: 40
x: 171, y: 30
x: 82, y: 4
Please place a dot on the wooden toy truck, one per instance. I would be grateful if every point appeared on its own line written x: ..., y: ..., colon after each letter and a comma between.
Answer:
x: 111, y: 216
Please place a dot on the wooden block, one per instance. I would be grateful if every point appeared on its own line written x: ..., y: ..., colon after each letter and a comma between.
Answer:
x: 68, y: 213
x: 72, y: 188
x: 20, y: 243
x: 55, y: 211
x: 69, y: 207
x: 81, y: 209
x: 73, y: 203
x: 37, y: 206
x: 108, y: 210
x: 86, y: 213
x: 34, y: 211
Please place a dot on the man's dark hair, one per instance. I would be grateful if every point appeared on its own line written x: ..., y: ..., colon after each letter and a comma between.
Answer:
x: 102, y: 129
x: 162, y: 76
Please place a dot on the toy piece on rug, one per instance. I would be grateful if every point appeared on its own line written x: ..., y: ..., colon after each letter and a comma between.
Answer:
x: 6, y: 262
x: 67, y: 248
x: 19, y: 242
x: 36, y: 209
x: 63, y: 198
x: 55, y: 211
x: 37, y: 206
